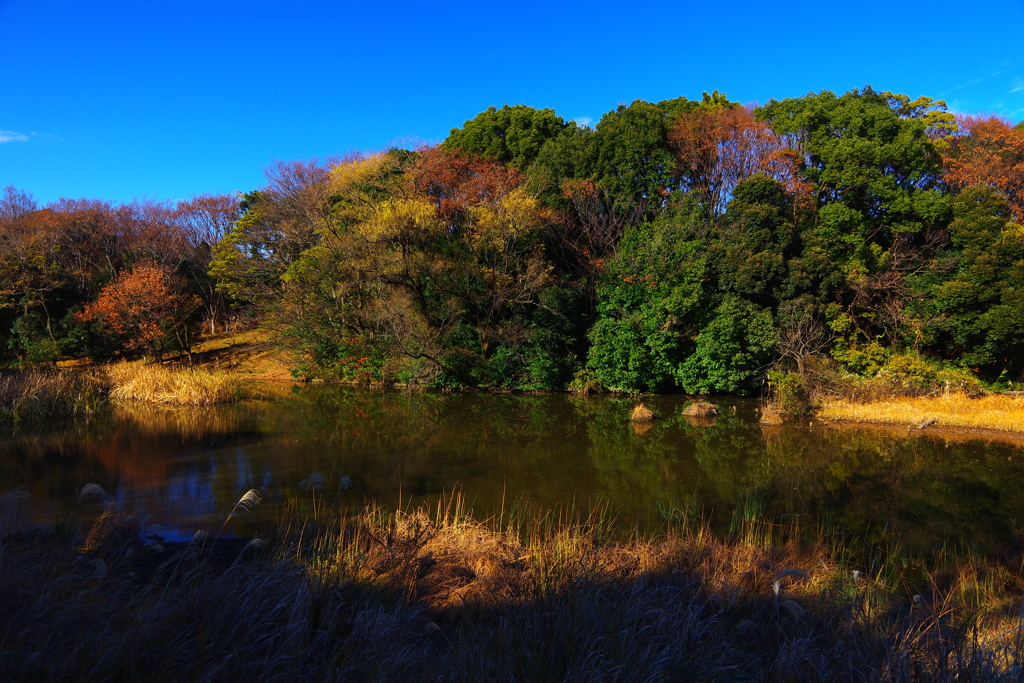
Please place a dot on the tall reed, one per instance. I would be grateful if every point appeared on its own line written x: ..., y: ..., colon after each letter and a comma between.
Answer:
x: 36, y: 396
x: 178, y: 386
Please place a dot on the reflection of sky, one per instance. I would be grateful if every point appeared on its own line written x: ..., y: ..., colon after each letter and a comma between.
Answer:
x: 181, y: 504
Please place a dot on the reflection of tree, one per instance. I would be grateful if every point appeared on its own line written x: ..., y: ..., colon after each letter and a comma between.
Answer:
x: 635, y: 470
x: 882, y: 487
x: 875, y: 487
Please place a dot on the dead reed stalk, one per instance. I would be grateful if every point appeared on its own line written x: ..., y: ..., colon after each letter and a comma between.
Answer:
x: 435, y: 594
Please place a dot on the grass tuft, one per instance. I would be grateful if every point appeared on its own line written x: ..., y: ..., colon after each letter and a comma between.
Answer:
x: 34, y: 397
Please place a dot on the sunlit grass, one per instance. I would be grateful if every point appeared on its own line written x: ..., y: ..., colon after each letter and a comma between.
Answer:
x: 176, y: 386
x: 1005, y: 413
x: 35, y: 396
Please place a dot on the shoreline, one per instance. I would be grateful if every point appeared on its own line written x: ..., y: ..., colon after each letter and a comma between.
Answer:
x: 471, y: 599
x: 995, y: 413
x: 947, y: 433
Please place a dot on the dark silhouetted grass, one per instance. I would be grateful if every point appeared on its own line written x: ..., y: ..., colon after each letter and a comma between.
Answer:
x: 433, y: 594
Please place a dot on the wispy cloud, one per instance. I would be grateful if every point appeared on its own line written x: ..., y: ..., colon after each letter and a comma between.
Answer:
x: 999, y: 74
x: 584, y: 121
x: 1018, y: 85
x: 11, y: 136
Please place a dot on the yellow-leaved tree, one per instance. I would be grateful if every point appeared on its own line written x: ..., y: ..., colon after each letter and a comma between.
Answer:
x: 420, y: 273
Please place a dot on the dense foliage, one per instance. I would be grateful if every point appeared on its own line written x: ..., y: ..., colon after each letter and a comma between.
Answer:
x: 679, y: 245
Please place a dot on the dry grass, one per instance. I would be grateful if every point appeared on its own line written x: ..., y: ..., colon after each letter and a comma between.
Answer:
x: 173, y: 386
x: 250, y: 354
x: 641, y: 413
x: 32, y: 397
x: 433, y: 594
x: 699, y: 409
x: 771, y: 414
x: 1004, y: 413
x: 37, y: 396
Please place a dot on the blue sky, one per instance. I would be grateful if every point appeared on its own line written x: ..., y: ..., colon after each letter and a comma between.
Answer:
x: 122, y: 100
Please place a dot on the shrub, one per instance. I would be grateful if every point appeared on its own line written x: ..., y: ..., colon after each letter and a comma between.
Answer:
x: 788, y: 393
x: 730, y: 351
x: 908, y: 374
x: 585, y: 381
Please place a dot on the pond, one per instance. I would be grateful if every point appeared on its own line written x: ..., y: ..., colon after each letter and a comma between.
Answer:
x: 183, y: 469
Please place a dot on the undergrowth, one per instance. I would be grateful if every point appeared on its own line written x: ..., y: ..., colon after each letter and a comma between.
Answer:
x: 904, y: 389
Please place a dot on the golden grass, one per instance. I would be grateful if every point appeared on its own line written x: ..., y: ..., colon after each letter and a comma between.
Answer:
x: 771, y: 414
x: 641, y: 413
x: 997, y: 412
x: 159, y: 384
x: 700, y: 409
x: 250, y: 354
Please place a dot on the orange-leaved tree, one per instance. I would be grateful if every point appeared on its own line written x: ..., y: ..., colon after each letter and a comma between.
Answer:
x: 718, y: 148
x: 147, y: 308
x: 990, y: 153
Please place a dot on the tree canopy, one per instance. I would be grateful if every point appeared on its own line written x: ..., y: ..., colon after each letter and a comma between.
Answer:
x: 681, y: 245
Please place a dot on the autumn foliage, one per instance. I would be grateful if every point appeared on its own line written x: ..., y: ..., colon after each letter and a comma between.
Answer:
x: 718, y: 148
x: 687, y: 244
x: 147, y: 308
x: 454, y: 181
x: 990, y: 152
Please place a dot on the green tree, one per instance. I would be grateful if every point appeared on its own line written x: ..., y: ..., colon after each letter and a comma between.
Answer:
x: 981, y: 303
x: 879, y: 204
x: 634, y: 160
x: 731, y: 352
x: 277, y: 223
x: 651, y: 304
x: 875, y: 169
x: 512, y: 135
x: 756, y: 242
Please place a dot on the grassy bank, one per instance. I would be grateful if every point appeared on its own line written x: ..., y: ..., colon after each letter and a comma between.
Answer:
x: 907, y: 389
x: 998, y: 412
x: 36, y: 396
x: 434, y: 594
x: 29, y: 397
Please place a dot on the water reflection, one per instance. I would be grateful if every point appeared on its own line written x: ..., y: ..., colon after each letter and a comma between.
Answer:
x: 186, y: 468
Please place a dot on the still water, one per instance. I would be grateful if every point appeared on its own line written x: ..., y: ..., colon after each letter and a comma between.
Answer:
x: 183, y: 469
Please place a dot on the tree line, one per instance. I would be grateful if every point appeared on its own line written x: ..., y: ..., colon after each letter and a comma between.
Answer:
x: 678, y: 245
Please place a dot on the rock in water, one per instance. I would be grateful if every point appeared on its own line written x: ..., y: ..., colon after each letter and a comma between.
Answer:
x: 91, y: 494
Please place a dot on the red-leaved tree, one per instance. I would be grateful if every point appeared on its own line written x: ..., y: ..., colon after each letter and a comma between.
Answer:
x: 146, y: 309
x: 717, y: 148
x: 991, y: 153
